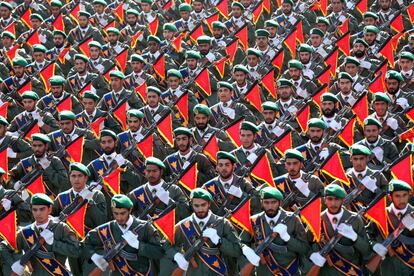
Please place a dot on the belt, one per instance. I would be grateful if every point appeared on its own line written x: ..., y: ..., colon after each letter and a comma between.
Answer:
x: 278, y: 248
x: 346, y: 249
x: 45, y: 255
x: 209, y: 251
x: 128, y: 256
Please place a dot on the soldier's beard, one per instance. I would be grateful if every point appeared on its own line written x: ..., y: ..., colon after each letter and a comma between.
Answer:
x: 60, y: 45
x: 271, y: 213
x: 201, y: 126
x: 359, y: 54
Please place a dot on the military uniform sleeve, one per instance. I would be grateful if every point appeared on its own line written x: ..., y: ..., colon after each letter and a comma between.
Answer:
x: 56, y: 175
x: 230, y: 243
x: 298, y: 241
x: 22, y: 148
x: 362, y: 243
x: 66, y: 242
x: 150, y: 245
x: 99, y: 208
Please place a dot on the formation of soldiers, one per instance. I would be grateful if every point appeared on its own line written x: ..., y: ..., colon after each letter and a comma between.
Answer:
x: 216, y: 137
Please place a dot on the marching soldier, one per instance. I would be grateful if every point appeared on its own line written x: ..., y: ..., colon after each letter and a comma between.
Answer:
x: 37, y: 29
x: 7, y: 19
x: 84, y: 30
x: 138, y: 76
x: 399, y: 99
x: 346, y: 95
x: 100, y: 18
x: 303, y: 87
x: 98, y: 64
x: 405, y: 62
x: 39, y: 62
x: 114, y: 47
x: 132, y: 28
x: 58, y: 52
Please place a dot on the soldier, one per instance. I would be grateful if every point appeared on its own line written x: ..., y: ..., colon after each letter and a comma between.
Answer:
x: 353, y: 246
x: 186, y: 23
x: 330, y: 110
x: 132, y: 28
x: 44, y: 35
x: 346, y: 95
x: 210, y: 55
x: 143, y: 242
x: 311, y: 67
x: 55, y: 178
x: 304, y: 88
x: 263, y: 45
x: 275, y: 40
x: 113, y: 48
x: 84, y: 30
x: 60, y: 53
x: 370, y: 35
x: 98, y: 64
x: 100, y: 19
x: 366, y: 64
x: 39, y: 62
x: 286, y: 102
x: 351, y: 65
x: 138, y: 76
x: 95, y: 212
x: 288, y: 19
x: 399, y: 99
x: 218, y: 34
x: 321, y: 49
x: 7, y: 39
x: 60, y: 243
x: 253, y: 59
x: 339, y: 15
x: 169, y: 31
x: 147, y: 15
x: 290, y: 244
x: 7, y: 19
x: 405, y: 62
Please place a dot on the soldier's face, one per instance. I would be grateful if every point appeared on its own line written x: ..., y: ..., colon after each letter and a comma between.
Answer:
x: 168, y: 35
x: 107, y: 144
x: 83, y: 21
x: 392, y: 86
x: 133, y: 123
x: 385, y: 4
x: 304, y: 57
x: 182, y: 142
x: 35, y: 23
x: 359, y: 162
x: 185, y: 15
x: 286, y: 8
x: 380, y: 108
x: 252, y: 60
x: 173, y: 82
x: 29, y: 104
x: 78, y: 180
x: 315, y: 134
x: 56, y: 90
x: 152, y: 99
x: 55, y: 10
x: 153, y: 174
x: 201, y: 121
x: 80, y: 66
x: 293, y: 166
x: 39, y: 148
x: 246, y: 138
x: 7, y: 41
x: 116, y: 83
x: 145, y: 7
x: 192, y: 63
x: 224, y: 94
x: 269, y: 116
x: 200, y: 207
x: 197, y: 6
x: 272, y: 30
x: 294, y: 73
x: 218, y: 32
x: 132, y: 19
x: 66, y: 126
x: 113, y: 38
x: 328, y: 108
x: 246, y: 3
x: 236, y: 11
x: 99, y: 8
x: 121, y: 215
x: 58, y: 41
x: 39, y: 57
x: 262, y: 41
x: 405, y: 64
x: 315, y: 40
x: 322, y: 26
x: 351, y: 69
x: 345, y: 85
x: 359, y: 50
x: 240, y: 77
x: 270, y: 206
x: 333, y: 204
x: 284, y: 92
x: 137, y: 66
x: 153, y: 46
x: 18, y: 71
x: 41, y: 213
x: 371, y: 133
x: 369, y: 38
x: 204, y: 48
x: 369, y: 21
x: 400, y: 199
x: 5, y: 12
x: 89, y: 105
x: 94, y: 52
x: 337, y: 5
x: 225, y: 168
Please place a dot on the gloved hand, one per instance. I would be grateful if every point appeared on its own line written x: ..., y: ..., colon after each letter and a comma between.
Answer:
x: 402, y: 102
x: 292, y: 109
x: 236, y: 191
x: 347, y: 231
x: 392, y: 123
x: 11, y: 153
x: 99, y: 261
x: 324, y: 153
x: 39, y: 119
x: 131, y: 239
x: 369, y: 183
x: 250, y: 255
x: 380, y: 250
x: 335, y: 125
x: 17, y: 185
x: 45, y: 163
x: 211, y: 233
x: 210, y: 57
x: 278, y: 131
x: 379, y: 153
x: 281, y: 229
x: 181, y: 261
x: 163, y: 195
x: 48, y: 236
x: 317, y: 259
x: 17, y: 268
x: 302, y: 186
x: 6, y: 203
x: 86, y: 194
x: 408, y: 222
x: 120, y: 160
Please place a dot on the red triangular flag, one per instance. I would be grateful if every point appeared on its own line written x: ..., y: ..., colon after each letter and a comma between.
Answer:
x: 360, y: 108
x: 203, y: 81
x: 332, y: 60
x: 134, y: 39
x: 35, y: 129
x: 196, y: 33
x: 11, y: 28
x: 141, y: 91
x: 333, y: 167
x: 231, y: 49
x: 65, y: 104
x: 241, y: 217
x: 233, y: 130
x: 86, y: 87
x: 302, y: 117
x: 211, y: 148
x: 74, y: 12
x: 84, y: 48
x: 122, y: 59
x: 283, y: 143
x: 159, y: 67
x: 311, y: 216
x: 278, y: 60
x: 220, y: 66
x: 402, y: 169
x: 209, y: 20
x: 59, y: 24
x: 36, y: 186
x: 347, y: 133
x: 166, y: 225
x: 299, y: 32
x: 120, y: 114
x: 33, y: 39
x: 410, y: 12
x: 242, y: 34
x: 257, y: 13
x: 268, y: 83
x: 362, y: 6
x: 290, y: 42
x: 387, y: 52
x: 344, y: 44
x: 25, y: 18
x: 344, y: 27
x: 8, y: 229
x: 153, y: 26
x: 11, y: 53
x: 223, y: 8
x: 182, y: 106
x: 145, y: 146
x: 113, y: 181
x: 409, y: 114
x: 165, y: 130
x: 263, y: 171
x: 189, y: 178
x: 76, y: 221
x: 46, y: 73
x: 253, y: 97
x: 119, y: 13
x: 75, y: 149
x: 397, y: 23
x: 97, y: 125
x: 4, y: 163
x: 176, y: 43
x: 378, y: 214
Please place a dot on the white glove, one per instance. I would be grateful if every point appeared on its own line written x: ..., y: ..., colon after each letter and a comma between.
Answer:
x: 210, y: 57
x: 163, y: 195
x: 6, y: 204
x: 292, y: 109
x: 45, y: 163
x: 43, y: 38
x: 278, y: 131
x: 281, y: 229
x: 302, y: 186
x: 317, y: 259
x: 17, y: 268
x: 335, y: 125
x: 379, y: 153
x: 380, y: 250
x: 236, y: 191
x: 48, y: 236
x: 86, y: 194
x: 11, y: 153
x: 181, y: 261
x: 120, y: 160
x: 250, y: 255
x: 100, y: 262
x: 97, y: 187
x: 211, y: 233
x: 347, y: 231
x: 39, y: 119
x: 131, y: 239
x: 369, y: 183
x: 402, y: 102
x: 324, y: 153
x: 408, y: 222
x: 393, y: 123
x: 17, y: 185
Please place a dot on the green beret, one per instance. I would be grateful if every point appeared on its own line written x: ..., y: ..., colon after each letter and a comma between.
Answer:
x: 321, y: 19
x: 202, y: 108
x: 406, y: 55
x: 132, y: 11
x: 41, y: 138
x: 84, y: 13
x: 370, y: 14
x: 270, y: 106
x: 58, y: 32
x: 57, y: 80
x: 2, y: 171
x: 108, y: 132
x: 66, y: 115
x: 391, y: 74
x: 6, y: 5
x: 226, y: 155
x: 8, y: 34
x: 381, y: 97
x: 39, y: 48
x: 240, y: 68
x: 371, y: 29
x: 294, y: 63
x: 184, y: 7
x: 3, y: 121
x: 335, y: 190
x: 357, y: 149
x: 255, y: 52
x: 80, y: 168
x: 288, y: 2
x: 249, y: 126
x: 218, y: 25
x: 91, y: 95
x: 225, y: 84
x: 271, y: 23
x: 154, y: 89
x: 193, y: 54
x: 36, y: 16
x: 182, y: 131
x: 329, y: 97
x: 371, y: 121
x: 81, y: 57
x: 201, y: 193
x: 135, y: 113
x: 352, y: 60
x: 95, y: 44
x: 154, y: 38
x: 316, y: 31
x: 117, y: 74
x: 294, y: 153
x: 237, y: 4
x: 361, y: 41
x: 30, y: 95
x: 345, y: 75
x: 136, y: 57
x: 284, y: 82
x: 41, y: 199
x: 399, y: 185
x: 56, y: 3
x: 169, y: 27
x: 174, y: 73
x: 262, y: 32
x: 99, y: 2
x: 121, y: 201
x: 270, y: 192
x: 305, y: 48
x: 203, y: 39
x: 154, y: 161
x: 316, y: 122
x: 146, y: 1
x: 19, y: 61
x: 113, y: 30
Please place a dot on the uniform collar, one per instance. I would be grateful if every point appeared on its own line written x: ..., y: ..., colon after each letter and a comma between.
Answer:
x: 204, y: 220
x: 336, y: 216
x: 398, y: 211
x: 127, y: 224
x: 274, y: 219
